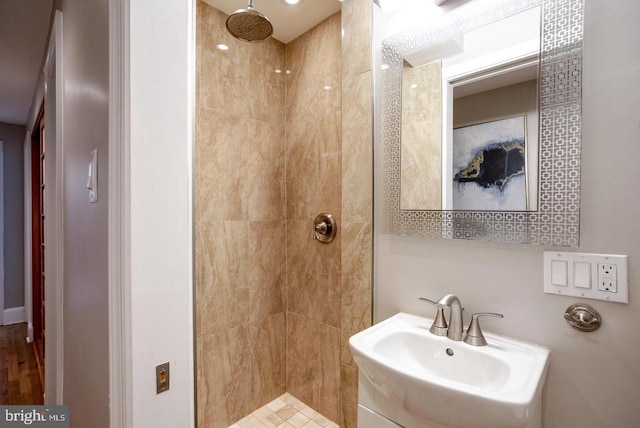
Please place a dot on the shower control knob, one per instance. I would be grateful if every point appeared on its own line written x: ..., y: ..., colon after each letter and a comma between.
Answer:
x: 324, y: 228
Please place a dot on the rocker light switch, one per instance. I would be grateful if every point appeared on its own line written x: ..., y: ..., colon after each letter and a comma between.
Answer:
x: 559, y: 273
x: 582, y: 274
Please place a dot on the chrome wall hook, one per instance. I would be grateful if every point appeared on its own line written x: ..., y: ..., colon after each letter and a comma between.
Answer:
x: 324, y: 228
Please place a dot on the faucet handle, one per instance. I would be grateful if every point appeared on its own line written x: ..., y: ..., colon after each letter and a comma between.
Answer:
x: 439, y: 326
x: 434, y: 303
x: 474, y: 334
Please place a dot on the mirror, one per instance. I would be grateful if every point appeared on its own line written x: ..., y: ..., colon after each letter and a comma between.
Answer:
x: 479, y: 116
x: 469, y: 138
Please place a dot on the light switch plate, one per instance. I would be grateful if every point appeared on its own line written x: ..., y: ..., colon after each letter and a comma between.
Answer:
x: 591, y: 276
x: 162, y: 378
x: 92, y: 177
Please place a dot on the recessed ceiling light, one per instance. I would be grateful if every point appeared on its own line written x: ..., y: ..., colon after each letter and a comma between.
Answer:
x: 292, y: 1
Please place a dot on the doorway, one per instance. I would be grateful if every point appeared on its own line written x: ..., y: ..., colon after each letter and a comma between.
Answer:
x: 38, y: 274
x: 1, y: 232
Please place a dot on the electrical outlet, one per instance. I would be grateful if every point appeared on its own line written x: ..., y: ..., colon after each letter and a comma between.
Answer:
x: 608, y: 277
x: 162, y: 378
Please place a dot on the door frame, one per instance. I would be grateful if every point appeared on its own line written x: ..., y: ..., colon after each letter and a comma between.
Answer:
x: 54, y: 207
x: 119, y: 206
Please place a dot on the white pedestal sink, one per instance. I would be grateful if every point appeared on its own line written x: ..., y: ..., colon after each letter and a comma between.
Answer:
x: 437, y: 382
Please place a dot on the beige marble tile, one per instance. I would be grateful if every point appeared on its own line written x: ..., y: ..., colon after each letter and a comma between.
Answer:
x: 224, y: 377
x: 313, y: 275
x: 222, y: 276
x: 250, y: 421
x: 240, y: 168
x: 298, y: 420
x: 356, y: 292
x: 357, y: 150
x: 349, y: 388
x: 421, y: 152
x: 267, y: 80
x: 267, y: 268
x: 356, y: 41
x: 313, y: 364
x: 263, y: 180
x: 209, y: 15
x: 268, y: 346
x: 222, y: 143
x: 281, y: 414
x: 223, y: 74
x: 314, y: 61
x: 286, y: 412
x: 314, y: 164
x: 421, y: 92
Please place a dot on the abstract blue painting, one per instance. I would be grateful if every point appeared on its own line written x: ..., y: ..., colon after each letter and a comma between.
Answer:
x: 489, y: 166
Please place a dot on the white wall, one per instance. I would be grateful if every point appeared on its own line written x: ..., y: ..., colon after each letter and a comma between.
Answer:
x: 162, y: 72
x: 594, y: 378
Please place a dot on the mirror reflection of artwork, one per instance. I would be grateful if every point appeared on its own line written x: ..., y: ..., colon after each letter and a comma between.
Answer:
x: 489, y: 165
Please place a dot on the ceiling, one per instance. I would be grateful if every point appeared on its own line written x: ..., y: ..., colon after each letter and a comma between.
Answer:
x: 289, y: 21
x: 24, y: 26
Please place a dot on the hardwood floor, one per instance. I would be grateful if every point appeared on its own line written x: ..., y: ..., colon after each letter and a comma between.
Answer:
x: 20, y: 379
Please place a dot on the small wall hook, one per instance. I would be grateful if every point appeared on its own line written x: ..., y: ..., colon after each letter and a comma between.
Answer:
x: 324, y: 228
x: 583, y: 317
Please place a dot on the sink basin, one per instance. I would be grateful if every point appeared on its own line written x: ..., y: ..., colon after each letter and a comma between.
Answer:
x: 448, y: 382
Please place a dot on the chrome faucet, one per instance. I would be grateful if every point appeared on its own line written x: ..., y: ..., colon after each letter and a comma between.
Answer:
x: 454, y: 332
x: 454, y: 328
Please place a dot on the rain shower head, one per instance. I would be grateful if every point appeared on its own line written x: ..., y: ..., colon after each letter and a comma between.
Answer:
x: 249, y: 25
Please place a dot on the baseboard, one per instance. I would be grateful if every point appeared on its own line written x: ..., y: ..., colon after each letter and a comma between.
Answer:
x: 29, y: 333
x: 13, y: 315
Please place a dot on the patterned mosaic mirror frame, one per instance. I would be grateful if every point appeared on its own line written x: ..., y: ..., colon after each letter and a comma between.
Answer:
x: 557, y: 220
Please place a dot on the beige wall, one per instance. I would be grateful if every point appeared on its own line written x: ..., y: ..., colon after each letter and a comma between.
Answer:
x: 261, y: 281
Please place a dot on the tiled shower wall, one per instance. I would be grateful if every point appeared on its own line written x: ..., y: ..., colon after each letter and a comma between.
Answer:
x: 240, y: 223
x: 274, y: 308
x: 357, y: 193
x: 314, y: 180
